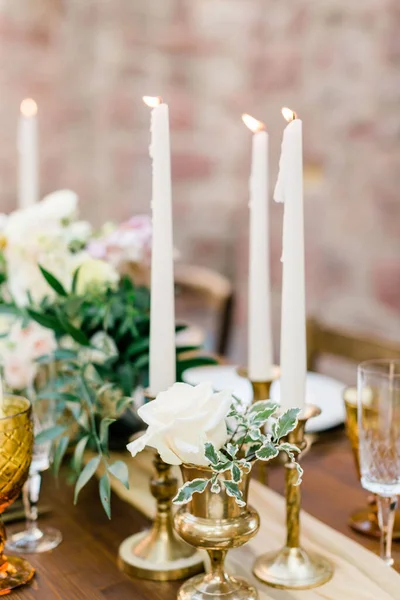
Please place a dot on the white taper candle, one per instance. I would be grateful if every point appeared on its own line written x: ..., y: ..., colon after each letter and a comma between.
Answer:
x: 162, y: 311
x: 28, y: 169
x: 259, y: 289
x: 289, y: 189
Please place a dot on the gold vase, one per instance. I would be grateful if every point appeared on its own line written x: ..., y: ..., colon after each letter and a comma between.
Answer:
x: 16, y: 446
x: 215, y: 523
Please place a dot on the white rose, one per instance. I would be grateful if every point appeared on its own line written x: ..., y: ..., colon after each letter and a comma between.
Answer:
x: 96, y: 275
x: 181, y: 420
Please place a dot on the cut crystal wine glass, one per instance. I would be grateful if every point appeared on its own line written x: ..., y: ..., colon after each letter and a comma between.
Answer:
x: 32, y: 538
x: 379, y: 440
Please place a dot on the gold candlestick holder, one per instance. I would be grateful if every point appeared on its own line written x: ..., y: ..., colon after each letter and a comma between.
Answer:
x: 261, y: 389
x: 292, y: 568
x: 160, y: 554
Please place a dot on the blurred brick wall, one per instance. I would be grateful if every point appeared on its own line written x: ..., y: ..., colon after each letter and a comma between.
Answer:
x: 88, y: 62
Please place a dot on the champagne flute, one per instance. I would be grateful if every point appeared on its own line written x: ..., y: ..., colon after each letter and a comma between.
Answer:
x: 379, y: 441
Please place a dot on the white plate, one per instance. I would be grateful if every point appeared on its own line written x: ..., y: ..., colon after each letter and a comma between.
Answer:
x: 321, y: 390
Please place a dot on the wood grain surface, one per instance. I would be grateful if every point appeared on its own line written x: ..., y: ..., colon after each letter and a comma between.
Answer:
x: 84, y: 567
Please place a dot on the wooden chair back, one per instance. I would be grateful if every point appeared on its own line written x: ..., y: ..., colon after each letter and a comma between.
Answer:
x: 215, y: 292
x: 328, y: 340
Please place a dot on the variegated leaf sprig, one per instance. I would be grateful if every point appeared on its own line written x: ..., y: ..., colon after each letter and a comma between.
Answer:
x: 257, y: 434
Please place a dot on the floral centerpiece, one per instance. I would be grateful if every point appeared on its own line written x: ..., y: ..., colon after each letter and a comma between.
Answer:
x: 66, y: 300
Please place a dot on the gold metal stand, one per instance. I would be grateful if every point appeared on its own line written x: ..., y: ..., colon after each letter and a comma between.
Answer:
x: 160, y: 554
x: 292, y: 567
x: 261, y: 389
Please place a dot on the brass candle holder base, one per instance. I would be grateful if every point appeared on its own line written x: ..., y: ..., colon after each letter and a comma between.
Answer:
x: 365, y: 521
x: 292, y: 568
x: 261, y: 389
x: 160, y: 554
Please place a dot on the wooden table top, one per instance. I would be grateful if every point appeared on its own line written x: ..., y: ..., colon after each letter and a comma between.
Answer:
x: 84, y: 567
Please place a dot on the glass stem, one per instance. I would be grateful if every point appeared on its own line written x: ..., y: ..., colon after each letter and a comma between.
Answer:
x: 30, y: 496
x: 386, y: 514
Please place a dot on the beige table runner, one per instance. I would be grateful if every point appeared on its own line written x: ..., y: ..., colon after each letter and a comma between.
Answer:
x: 359, y: 574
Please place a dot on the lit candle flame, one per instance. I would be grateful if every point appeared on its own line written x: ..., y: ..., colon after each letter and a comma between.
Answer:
x: 152, y: 101
x: 29, y: 108
x: 252, y: 123
x: 289, y: 114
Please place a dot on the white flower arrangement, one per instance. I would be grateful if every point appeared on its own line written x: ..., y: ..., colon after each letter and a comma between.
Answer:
x: 197, y: 426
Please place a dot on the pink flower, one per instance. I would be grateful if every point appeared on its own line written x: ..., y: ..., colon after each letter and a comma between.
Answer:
x: 130, y: 242
x: 19, y: 371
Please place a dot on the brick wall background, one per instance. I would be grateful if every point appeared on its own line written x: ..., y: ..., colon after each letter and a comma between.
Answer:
x: 88, y: 62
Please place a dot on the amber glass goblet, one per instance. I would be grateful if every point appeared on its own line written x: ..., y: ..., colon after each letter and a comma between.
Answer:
x: 364, y: 520
x: 16, y: 445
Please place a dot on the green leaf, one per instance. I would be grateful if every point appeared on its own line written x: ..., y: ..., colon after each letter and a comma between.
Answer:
x: 142, y: 361
x: 104, y: 425
x: 65, y: 354
x: 75, y: 410
x: 123, y: 403
x: 232, y: 489
x: 215, y: 486
x: 300, y: 473
x: 53, y: 282
x: 142, y: 345
x: 185, y: 349
x: 78, y: 453
x: 88, y: 471
x: 50, y: 434
x: 211, y: 453
x: 236, y: 473
x: 45, y: 320
x: 261, y: 411
x: 127, y: 378
x: 223, y: 466
x: 289, y: 448
x: 188, y: 363
x: 61, y: 396
x: 9, y: 309
x: 120, y: 470
x: 245, y: 465
x: 255, y: 435
x: 185, y: 493
x: 232, y: 450
x: 77, y: 334
x: 267, y: 451
x: 59, y: 453
x: 105, y: 494
x: 75, y: 280
x: 285, y: 423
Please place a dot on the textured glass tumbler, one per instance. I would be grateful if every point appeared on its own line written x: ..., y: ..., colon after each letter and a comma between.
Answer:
x: 33, y: 538
x: 379, y: 441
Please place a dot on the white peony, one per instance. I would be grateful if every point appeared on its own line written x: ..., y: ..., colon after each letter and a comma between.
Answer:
x: 41, y: 235
x: 60, y: 206
x: 181, y: 420
x: 96, y: 276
